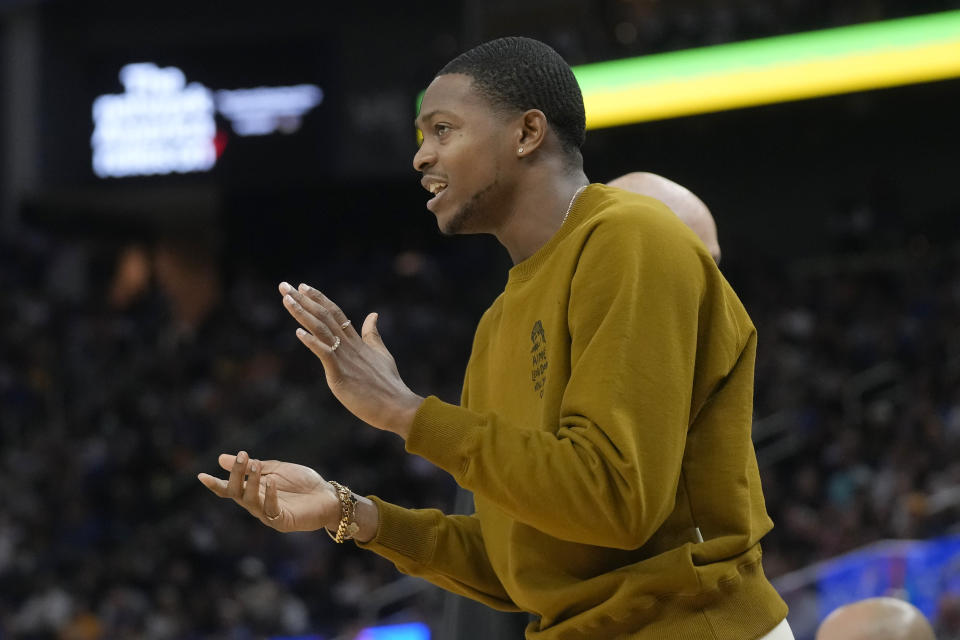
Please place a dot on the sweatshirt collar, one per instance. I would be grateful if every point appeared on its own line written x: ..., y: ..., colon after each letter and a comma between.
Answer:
x: 578, y: 213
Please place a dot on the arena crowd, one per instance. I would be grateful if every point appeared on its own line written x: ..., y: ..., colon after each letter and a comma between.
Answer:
x: 116, y: 389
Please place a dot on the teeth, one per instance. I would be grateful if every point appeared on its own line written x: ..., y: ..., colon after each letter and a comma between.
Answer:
x: 437, y: 187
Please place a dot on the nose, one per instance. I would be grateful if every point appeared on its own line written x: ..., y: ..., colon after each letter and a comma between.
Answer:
x: 424, y: 157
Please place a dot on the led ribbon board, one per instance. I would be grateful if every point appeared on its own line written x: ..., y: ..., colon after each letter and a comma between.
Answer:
x: 769, y: 70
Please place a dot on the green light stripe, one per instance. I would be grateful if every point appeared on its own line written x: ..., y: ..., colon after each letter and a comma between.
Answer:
x: 765, y: 52
x: 826, y: 44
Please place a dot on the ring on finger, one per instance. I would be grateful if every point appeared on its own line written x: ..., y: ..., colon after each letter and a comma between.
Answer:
x: 335, y: 345
x: 274, y: 518
x: 344, y: 325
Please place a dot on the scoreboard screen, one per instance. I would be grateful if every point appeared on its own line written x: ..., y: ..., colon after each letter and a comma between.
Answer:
x: 148, y: 104
x: 161, y: 124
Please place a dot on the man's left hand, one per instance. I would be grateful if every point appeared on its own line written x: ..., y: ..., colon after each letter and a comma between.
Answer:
x: 360, y: 371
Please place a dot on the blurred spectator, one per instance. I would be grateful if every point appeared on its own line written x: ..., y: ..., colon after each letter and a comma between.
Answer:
x: 681, y: 201
x: 876, y: 619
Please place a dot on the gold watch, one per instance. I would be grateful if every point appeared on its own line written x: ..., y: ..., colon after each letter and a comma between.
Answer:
x: 347, y: 528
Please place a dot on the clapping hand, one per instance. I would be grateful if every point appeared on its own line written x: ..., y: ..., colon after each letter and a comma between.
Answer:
x: 359, y: 368
x: 282, y: 495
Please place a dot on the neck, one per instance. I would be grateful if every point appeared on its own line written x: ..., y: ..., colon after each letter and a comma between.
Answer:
x: 537, y: 213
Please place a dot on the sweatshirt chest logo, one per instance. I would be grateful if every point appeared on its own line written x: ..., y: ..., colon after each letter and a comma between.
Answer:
x: 538, y: 357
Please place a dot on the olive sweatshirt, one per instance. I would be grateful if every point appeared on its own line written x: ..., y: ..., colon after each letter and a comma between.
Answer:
x: 605, y: 432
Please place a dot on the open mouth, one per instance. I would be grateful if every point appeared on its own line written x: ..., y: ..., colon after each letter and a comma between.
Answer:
x: 437, y: 189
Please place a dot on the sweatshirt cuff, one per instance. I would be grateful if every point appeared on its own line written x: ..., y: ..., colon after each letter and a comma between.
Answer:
x: 442, y: 433
x: 402, y: 533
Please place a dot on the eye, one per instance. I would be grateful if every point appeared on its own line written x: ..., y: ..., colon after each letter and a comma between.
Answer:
x: 441, y: 129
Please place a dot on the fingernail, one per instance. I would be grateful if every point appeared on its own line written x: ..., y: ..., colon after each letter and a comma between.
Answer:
x: 240, y: 456
x: 253, y: 467
x: 289, y: 300
x: 285, y: 287
x: 303, y: 287
x: 301, y: 333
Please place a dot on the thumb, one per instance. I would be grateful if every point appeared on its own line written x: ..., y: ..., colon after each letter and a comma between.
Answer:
x: 371, y: 335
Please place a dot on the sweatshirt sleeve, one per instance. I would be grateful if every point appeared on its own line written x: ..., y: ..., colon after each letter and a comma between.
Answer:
x: 445, y: 550
x: 608, y: 475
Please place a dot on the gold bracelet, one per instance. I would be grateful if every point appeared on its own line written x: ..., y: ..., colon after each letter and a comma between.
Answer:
x: 347, y: 527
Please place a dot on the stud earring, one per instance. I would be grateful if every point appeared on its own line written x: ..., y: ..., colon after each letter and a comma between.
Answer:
x: 520, y: 150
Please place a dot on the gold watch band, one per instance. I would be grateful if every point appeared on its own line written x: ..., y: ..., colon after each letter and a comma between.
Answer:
x: 347, y: 528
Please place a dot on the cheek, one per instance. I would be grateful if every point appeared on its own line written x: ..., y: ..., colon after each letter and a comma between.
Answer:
x: 478, y: 163
x: 471, y: 161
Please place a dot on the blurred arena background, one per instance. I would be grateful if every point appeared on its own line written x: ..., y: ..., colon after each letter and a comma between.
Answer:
x: 141, y: 332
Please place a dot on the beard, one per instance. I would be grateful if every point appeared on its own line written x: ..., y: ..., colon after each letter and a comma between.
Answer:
x: 471, y: 213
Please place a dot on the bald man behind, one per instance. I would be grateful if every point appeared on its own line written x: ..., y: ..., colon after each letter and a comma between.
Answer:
x: 876, y: 619
x: 681, y: 201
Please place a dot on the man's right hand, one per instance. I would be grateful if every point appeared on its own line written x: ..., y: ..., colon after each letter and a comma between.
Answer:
x: 282, y: 495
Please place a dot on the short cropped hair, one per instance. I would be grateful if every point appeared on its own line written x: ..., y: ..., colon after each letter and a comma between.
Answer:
x: 518, y: 73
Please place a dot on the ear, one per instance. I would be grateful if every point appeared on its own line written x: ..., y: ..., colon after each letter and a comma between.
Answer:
x: 532, y: 132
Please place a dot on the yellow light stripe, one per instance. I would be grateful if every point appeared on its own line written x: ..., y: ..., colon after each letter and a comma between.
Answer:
x: 791, y: 81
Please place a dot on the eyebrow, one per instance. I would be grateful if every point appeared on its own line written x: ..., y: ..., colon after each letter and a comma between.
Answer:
x: 423, y: 117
